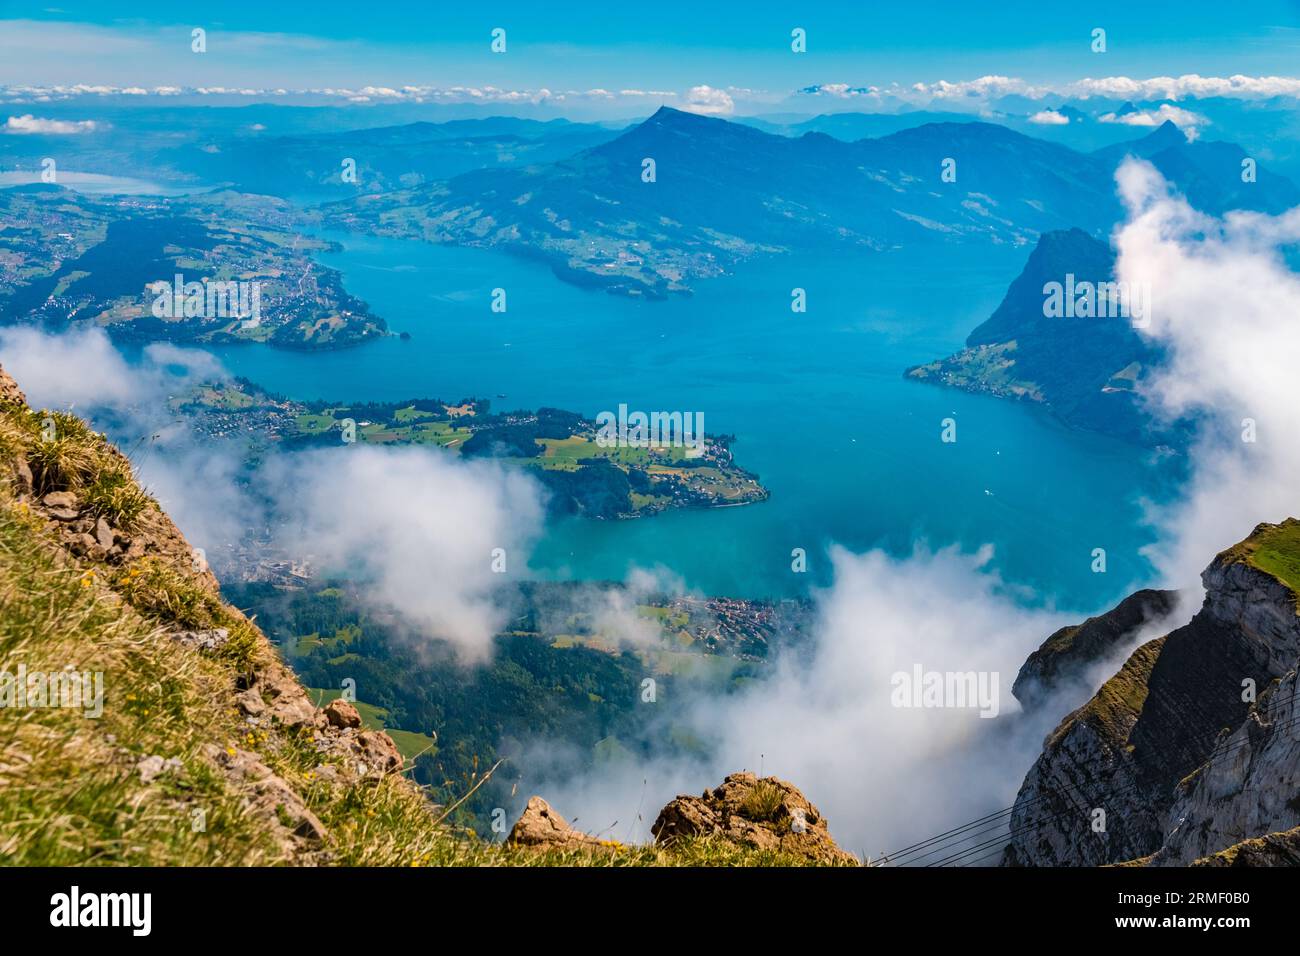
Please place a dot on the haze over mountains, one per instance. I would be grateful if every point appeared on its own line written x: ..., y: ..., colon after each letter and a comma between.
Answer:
x: 385, y: 158
x: 723, y: 191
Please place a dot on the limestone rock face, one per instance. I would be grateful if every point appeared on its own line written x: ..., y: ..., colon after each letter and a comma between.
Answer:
x: 766, y: 814
x: 1246, y: 789
x: 1173, y: 757
x: 1085, y: 763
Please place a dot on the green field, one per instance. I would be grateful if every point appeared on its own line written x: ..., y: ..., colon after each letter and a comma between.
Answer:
x: 313, y: 424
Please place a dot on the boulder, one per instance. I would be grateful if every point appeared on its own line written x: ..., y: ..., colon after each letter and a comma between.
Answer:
x: 541, y: 826
x: 10, y: 393
x: 1069, y: 653
x: 767, y: 814
x: 340, y: 713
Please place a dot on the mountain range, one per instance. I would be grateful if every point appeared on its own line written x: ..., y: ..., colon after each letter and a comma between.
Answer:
x: 682, y: 197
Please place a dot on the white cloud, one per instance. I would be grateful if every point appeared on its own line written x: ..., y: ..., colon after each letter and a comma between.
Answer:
x: 708, y: 101
x: 1050, y: 118
x: 417, y: 527
x: 81, y: 369
x: 1189, y: 122
x: 984, y: 88
x: 823, y: 717
x: 29, y: 124
x: 1188, y: 85
x: 1224, y: 304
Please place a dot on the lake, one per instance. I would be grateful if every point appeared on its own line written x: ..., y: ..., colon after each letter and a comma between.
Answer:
x: 849, y: 449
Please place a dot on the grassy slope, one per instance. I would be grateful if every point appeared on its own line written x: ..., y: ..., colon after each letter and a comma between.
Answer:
x: 71, y: 790
x: 1275, y: 550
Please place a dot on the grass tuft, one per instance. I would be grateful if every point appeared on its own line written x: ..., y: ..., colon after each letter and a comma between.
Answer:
x: 762, y: 804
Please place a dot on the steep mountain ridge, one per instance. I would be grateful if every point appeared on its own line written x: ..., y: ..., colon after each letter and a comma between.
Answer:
x: 1084, y: 368
x: 1209, y: 173
x: 1183, y: 751
x: 205, y: 748
x: 1071, y: 651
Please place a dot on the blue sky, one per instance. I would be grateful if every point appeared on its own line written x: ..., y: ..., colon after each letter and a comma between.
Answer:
x: 654, y: 46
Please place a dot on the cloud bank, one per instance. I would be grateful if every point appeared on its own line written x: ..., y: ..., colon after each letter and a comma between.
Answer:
x: 425, y: 531
x: 992, y: 86
x: 824, y: 717
x: 1225, y: 303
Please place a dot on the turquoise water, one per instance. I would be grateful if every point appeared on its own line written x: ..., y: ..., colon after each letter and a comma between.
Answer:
x: 850, y: 450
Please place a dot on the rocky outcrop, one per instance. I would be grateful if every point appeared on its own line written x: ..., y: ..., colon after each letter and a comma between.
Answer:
x: 268, y: 795
x: 1084, y: 368
x: 1070, y: 652
x: 1173, y: 759
x: 10, y: 393
x: 541, y: 827
x: 1273, y: 849
x: 763, y: 814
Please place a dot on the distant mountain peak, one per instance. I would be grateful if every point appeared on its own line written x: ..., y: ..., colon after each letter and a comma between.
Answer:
x: 1168, y: 132
x: 667, y: 114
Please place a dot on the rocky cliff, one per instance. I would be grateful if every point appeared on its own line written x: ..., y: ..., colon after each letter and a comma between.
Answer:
x: 1072, y: 651
x: 1189, y: 748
